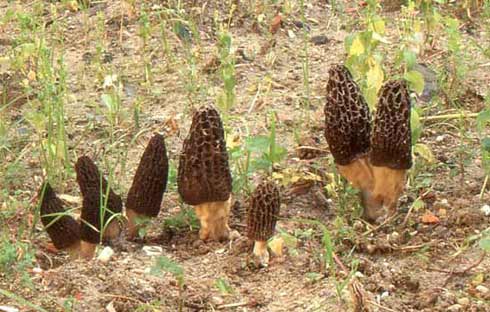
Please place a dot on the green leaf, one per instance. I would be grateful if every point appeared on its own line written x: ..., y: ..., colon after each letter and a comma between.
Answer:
x: 415, y: 125
x: 485, y: 244
x: 415, y: 80
x: 485, y: 144
x: 357, y: 47
x: 223, y: 286
x: 258, y: 144
x: 482, y: 119
x: 409, y: 57
x: 425, y: 152
x: 164, y: 264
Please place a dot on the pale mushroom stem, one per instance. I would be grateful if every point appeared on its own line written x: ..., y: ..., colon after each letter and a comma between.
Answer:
x: 388, y: 186
x: 74, y: 251
x: 213, y: 217
x: 359, y: 173
x: 87, y: 250
x: 133, y: 227
x: 260, y: 250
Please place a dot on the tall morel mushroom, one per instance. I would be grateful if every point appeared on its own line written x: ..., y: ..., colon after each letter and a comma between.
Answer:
x: 63, y: 229
x: 96, y: 206
x: 262, y: 216
x: 149, y: 183
x: 204, y: 178
x: 391, y: 149
x: 348, y: 127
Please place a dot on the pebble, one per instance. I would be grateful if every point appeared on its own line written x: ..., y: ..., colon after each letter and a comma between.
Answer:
x: 8, y: 309
x: 486, y: 210
x: 319, y: 40
x: 455, y: 307
x: 482, y: 289
x: 106, y: 254
x: 464, y: 301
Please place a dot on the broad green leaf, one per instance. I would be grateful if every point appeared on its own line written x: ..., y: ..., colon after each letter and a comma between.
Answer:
x: 258, y: 144
x: 482, y: 119
x: 375, y: 75
x: 409, y: 57
x: 357, y: 47
x: 485, y: 244
x: 416, y: 81
x: 418, y: 204
x: 415, y: 125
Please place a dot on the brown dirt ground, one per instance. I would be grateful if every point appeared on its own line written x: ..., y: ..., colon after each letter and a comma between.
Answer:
x: 412, y: 270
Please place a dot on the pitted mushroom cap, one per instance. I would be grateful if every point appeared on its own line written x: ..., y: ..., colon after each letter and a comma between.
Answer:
x: 392, y: 138
x: 204, y: 174
x: 347, y: 118
x: 63, y: 229
x: 263, y: 212
x: 150, y: 180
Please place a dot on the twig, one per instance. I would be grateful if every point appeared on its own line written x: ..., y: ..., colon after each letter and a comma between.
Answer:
x: 232, y: 305
x: 386, y: 221
x: 122, y: 297
x: 449, y: 116
x: 453, y: 273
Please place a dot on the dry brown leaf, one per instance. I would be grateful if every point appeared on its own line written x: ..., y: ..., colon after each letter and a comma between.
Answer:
x: 430, y: 218
x: 276, y: 23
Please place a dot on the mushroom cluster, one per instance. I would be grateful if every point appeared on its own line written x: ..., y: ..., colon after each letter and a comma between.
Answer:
x: 376, y: 162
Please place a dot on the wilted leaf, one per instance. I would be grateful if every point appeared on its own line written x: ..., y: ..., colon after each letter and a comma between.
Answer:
x: 357, y: 47
x: 430, y: 218
x: 276, y: 23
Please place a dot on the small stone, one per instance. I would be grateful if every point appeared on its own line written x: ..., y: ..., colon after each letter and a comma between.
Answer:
x: 486, y: 210
x: 464, y: 301
x: 358, y: 226
x: 319, y: 40
x: 106, y: 254
x: 217, y: 300
x: 482, y: 289
x: 455, y: 307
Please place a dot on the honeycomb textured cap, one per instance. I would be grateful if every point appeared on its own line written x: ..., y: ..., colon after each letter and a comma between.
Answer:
x: 391, y: 144
x: 150, y: 180
x: 65, y: 231
x: 347, y: 118
x: 204, y: 175
x: 88, y: 178
x: 263, y: 211
x: 90, y: 226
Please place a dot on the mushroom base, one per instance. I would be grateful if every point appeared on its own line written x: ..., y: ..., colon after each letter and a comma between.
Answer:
x: 260, y: 250
x: 74, y: 250
x: 359, y: 173
x: 112, y: 231
x: 133, y: 223
x: 87, y: 250
x: 382, y: 199
x: 214, y: 220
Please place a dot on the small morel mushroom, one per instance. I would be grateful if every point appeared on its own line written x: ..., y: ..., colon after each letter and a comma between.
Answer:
x: 391, y: 149
x: 262, y: 217
x: 149, y: 183
x: 94, y: 189
x: 348, y: 128
x: 63, y: 230
x: 204, y: 178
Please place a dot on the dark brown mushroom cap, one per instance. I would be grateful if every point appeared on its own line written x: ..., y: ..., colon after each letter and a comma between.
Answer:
x: 88, y: 178
x: 150, y: 180
x: 263, y: 211
x: 65, y: 231
x: 347, y: 118
x: 391, y: 144
x: 90, y: 218
x: 204, y: 175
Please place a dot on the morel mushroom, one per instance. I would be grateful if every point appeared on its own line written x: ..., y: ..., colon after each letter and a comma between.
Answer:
x: 149, y: 183
x: 96, y: 207
x: 204, y: 178
x: 391, y: 149
x: 262, y: 217
x: 348, y: 128
x: 63, y: 230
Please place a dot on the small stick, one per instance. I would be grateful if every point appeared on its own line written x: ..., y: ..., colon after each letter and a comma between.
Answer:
x: 386, y: 221
x: 374, y: 303
x: 449, y: 116
x: 232, y: 305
